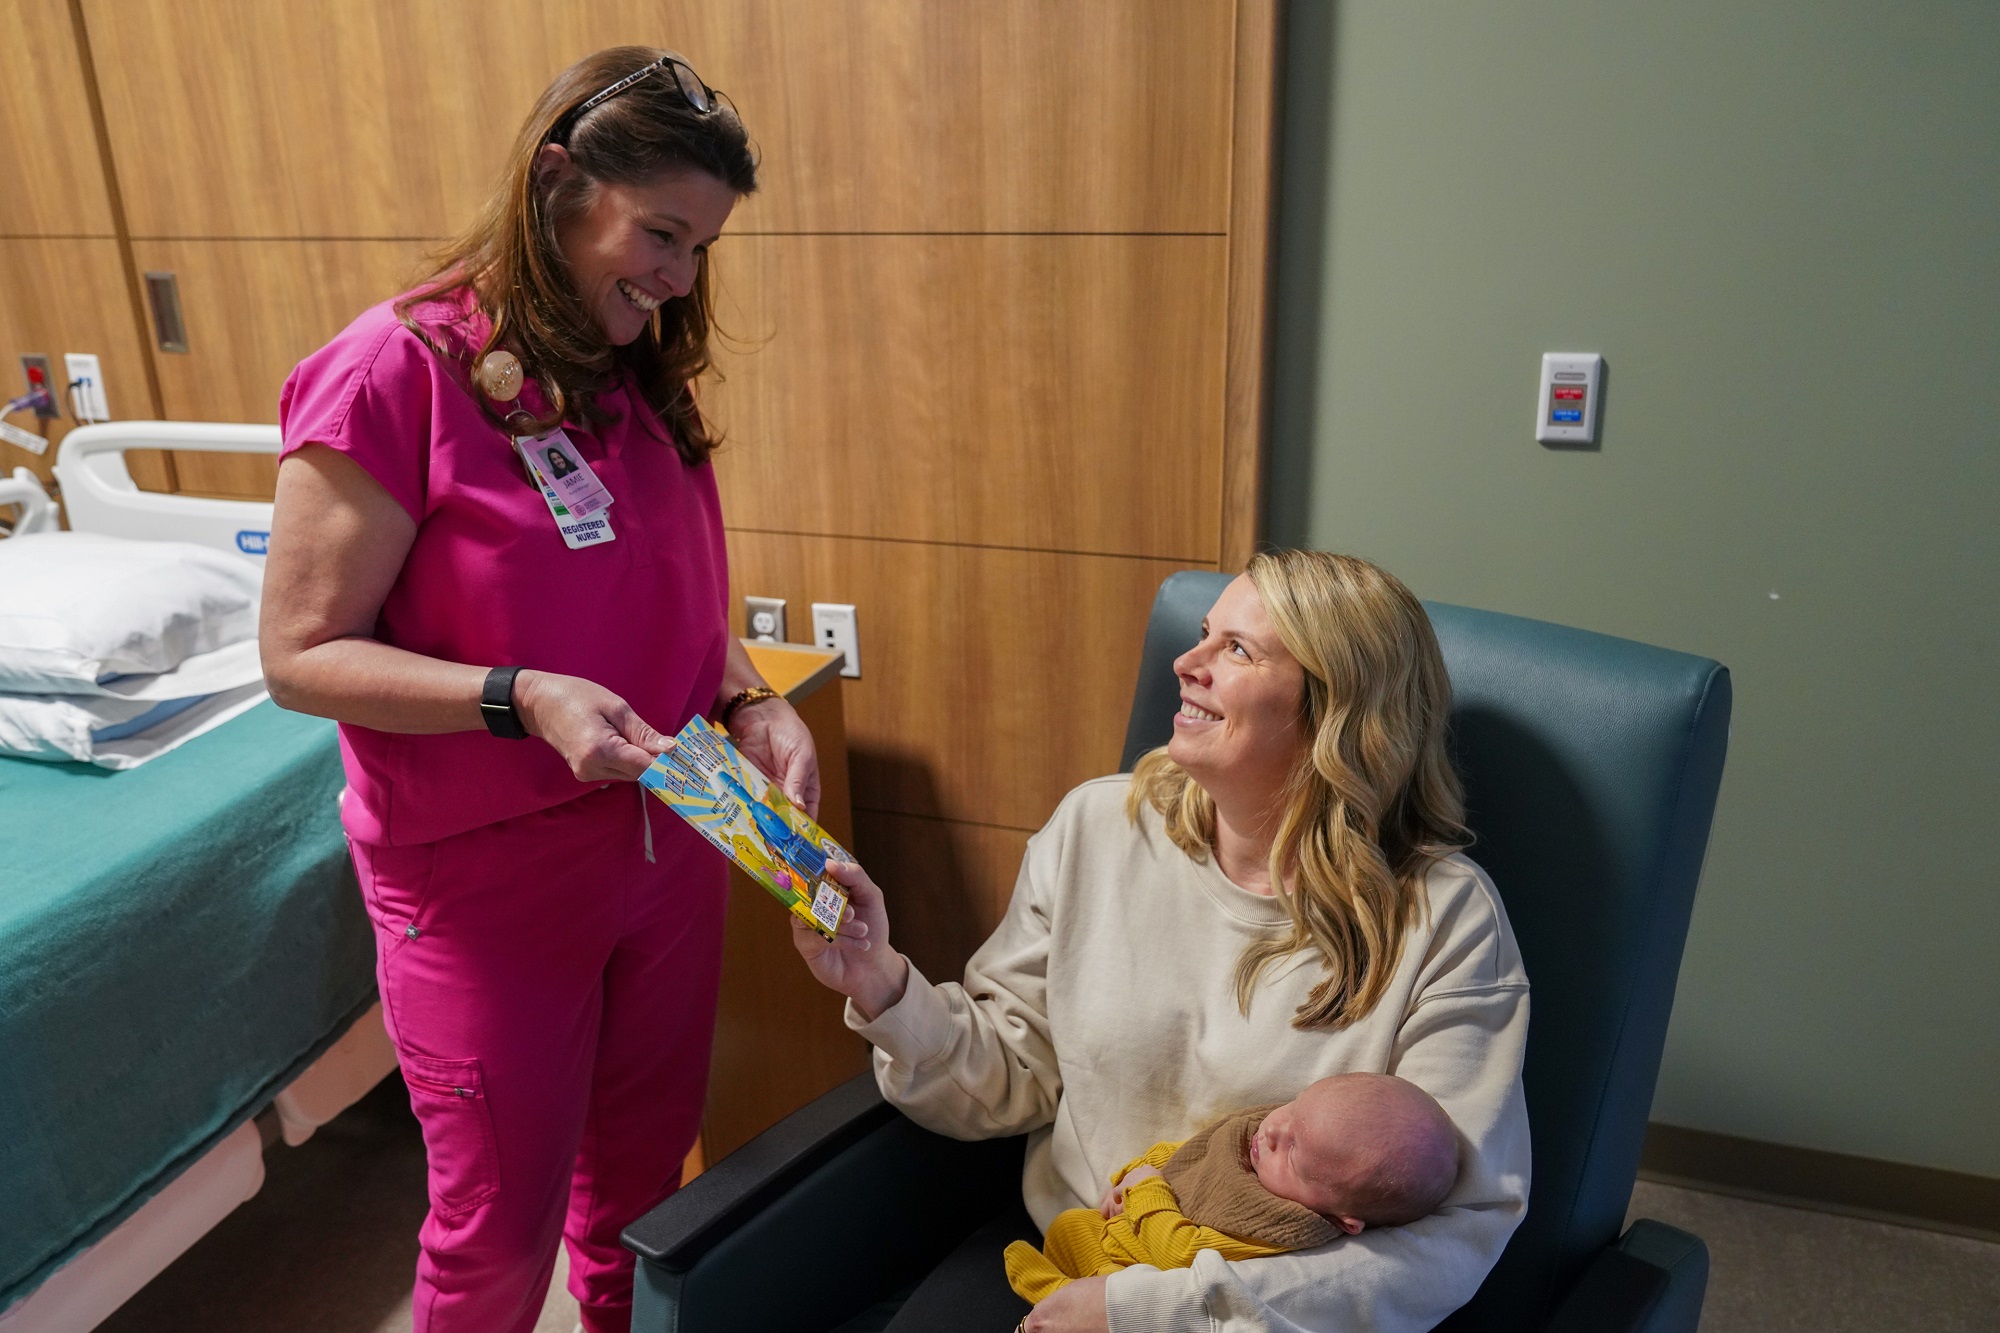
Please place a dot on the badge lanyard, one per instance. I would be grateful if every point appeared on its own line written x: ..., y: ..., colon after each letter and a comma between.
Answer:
x: 578, y: 502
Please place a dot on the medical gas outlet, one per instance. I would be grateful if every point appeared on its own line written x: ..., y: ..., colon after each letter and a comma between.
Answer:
x: 1567, y: 412
x: 40, y: 376
x: 38, y: 398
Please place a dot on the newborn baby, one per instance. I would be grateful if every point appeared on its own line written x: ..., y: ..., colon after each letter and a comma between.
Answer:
x: 1351, y: 1151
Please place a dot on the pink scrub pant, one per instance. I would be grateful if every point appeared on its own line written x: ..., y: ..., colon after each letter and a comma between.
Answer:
x: 551, y: 996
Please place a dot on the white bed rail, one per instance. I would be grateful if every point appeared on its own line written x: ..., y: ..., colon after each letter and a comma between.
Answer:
x: 99, y: 494
x: 24, y: 491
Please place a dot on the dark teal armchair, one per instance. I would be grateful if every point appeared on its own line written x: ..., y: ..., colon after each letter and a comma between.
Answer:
x: 1591, y: 767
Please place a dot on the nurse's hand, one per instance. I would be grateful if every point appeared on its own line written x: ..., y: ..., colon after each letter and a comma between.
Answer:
x: 858, y: 962
x: 596, y: 732
x: 773, y: 736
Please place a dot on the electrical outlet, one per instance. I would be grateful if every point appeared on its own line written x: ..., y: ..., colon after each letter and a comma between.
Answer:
x: 86, y: 378
x: 764, y: 617
x: 40, y: 374
x: 833, y: 627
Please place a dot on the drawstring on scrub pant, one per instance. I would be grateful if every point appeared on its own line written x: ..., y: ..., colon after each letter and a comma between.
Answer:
x: 646, y: 820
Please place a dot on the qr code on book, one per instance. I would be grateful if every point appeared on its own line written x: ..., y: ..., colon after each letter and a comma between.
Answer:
x: 827, y: 905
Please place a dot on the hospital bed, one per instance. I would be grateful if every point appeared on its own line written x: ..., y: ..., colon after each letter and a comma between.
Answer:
x: 186, y: 971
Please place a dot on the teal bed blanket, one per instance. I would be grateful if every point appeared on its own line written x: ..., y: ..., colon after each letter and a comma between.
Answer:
x: 177, y: 942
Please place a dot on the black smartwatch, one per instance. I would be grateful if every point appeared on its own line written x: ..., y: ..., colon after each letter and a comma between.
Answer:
x: 496, y: 704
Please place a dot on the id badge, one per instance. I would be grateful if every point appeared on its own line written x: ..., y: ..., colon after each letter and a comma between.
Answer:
x: 587, y: 530
x: 564, y: 467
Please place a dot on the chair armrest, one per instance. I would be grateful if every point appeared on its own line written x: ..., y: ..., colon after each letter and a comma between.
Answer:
x: 1651, y: 1281
x: 835, y: 1207
x: 715, y: 1203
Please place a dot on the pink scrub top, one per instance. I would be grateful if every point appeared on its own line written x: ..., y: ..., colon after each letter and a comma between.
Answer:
x: 488, y: 580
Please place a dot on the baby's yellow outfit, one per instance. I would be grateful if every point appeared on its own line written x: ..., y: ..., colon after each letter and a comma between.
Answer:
x: 1166, y: 1222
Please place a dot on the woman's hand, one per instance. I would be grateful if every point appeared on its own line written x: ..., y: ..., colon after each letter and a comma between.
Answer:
x: 858, y: 962
x: 1077, y: 1308
x: 596, y: 732
x: 773, y: 736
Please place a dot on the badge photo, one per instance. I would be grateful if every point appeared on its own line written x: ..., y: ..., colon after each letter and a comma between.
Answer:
x: 577, y: 530
x: 557, y: 458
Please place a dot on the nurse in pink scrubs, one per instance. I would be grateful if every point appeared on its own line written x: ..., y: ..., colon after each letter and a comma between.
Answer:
x: 505, y: 652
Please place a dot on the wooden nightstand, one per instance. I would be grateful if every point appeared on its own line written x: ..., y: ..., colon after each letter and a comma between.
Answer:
x: 779, y: 1038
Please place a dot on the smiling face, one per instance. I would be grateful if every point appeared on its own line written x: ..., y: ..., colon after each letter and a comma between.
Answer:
x: 1240, y: 729
x: 631, y: 247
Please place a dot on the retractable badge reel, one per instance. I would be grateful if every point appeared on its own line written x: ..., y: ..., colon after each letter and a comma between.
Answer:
x: 577, y: 500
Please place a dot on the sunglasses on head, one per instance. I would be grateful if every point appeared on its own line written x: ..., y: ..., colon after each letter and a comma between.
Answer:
x: 699, y: 96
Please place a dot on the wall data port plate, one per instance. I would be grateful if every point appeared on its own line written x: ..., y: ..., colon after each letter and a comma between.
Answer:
x: 833, y: 627
x: 1567, y: 411
x: 86, y: 387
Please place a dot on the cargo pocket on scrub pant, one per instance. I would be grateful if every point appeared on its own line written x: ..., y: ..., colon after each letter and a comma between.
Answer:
x: 450, y: 1101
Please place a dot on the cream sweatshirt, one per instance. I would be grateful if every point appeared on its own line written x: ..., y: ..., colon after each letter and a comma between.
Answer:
x: 1101, y: 1018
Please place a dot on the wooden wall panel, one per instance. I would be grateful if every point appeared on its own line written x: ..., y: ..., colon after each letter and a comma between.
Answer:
x: 384, y: 118
x: 62, y: 278
x: 67, y: 295
x: 1003, y: 116
x: 253, y: 310
x: 1252, y: 245
x: 1001, y: 678
x: 947, y: 883
x: 1001, y: 302
x: 48, y: 146
x: 244, y: 118
x: 1049, y: 392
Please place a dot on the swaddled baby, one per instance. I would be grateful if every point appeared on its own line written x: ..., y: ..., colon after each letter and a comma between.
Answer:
x: 1351, y: 1151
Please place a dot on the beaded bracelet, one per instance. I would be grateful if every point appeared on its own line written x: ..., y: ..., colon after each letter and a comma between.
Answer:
x: 756, y: 694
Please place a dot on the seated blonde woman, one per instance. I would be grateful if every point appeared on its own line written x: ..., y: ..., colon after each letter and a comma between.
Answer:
x: 1274, y: 898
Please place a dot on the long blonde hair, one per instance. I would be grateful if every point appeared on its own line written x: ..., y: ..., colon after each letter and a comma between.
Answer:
x: 509, y: 262
x: 1374, y: 800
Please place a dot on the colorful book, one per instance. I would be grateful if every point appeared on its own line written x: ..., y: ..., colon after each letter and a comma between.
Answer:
x: 706, y: 781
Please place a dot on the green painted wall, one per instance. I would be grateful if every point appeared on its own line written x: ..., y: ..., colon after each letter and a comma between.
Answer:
x: 1780, y: 224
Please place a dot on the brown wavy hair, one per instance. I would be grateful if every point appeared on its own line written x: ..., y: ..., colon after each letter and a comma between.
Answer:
x: 1374, y: 800
x: 508, y: 262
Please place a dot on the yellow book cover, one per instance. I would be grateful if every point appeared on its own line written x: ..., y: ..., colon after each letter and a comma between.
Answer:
x: 706, y: 781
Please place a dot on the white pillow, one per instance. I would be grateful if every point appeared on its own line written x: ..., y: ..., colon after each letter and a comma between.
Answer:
x: 113, y: 733
x: 77, y: 609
